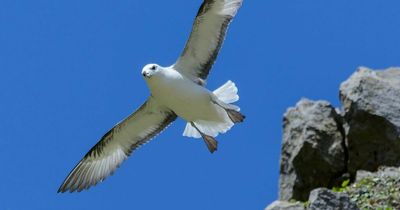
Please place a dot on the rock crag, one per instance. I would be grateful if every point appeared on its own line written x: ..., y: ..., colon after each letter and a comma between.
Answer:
x: 326, y: 148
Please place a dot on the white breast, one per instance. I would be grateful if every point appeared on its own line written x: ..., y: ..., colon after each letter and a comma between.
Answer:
x: 187, y: 99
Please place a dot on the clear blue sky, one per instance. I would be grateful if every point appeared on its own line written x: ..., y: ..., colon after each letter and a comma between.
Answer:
x: 71, y: 69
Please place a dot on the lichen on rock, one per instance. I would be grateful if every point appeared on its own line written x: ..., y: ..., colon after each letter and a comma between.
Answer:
x: 376, y: 190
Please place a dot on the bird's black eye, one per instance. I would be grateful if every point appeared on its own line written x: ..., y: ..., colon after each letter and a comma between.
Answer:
x: 153, y: 67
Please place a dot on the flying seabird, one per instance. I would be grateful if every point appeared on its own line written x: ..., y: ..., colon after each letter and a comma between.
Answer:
x: 176, y: 91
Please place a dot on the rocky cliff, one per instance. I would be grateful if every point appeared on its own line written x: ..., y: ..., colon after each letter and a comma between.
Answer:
x: 348, y: 157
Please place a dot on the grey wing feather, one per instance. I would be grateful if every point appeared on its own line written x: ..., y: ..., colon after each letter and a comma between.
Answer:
x: 206, y: 38
x: 116, y: 145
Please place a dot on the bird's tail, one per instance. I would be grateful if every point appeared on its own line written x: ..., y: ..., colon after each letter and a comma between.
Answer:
x: 226, y: 95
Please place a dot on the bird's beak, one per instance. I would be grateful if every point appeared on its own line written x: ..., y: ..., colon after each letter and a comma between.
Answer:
x: 145, y: 74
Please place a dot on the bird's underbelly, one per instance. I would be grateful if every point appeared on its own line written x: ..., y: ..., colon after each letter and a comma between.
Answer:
x: 188, y: 100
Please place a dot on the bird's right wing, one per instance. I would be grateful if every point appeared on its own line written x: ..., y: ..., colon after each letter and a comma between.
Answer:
x: 116, y: 145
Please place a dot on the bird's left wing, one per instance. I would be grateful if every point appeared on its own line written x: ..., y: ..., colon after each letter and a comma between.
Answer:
x: 206, y: 38
x: 116, y: 145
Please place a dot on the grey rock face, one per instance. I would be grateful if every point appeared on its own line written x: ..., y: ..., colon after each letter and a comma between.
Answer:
x: 322, y: 198
x: 392, y: 172
x: 312, y: 152
x: 284, y: 205
x: 322, y: 148
x: 371, y: 101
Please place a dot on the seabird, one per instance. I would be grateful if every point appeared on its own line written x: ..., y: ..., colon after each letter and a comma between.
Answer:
x: 176, y: 91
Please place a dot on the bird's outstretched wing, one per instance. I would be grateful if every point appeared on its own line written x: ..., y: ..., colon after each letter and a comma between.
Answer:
x: 117, y: 144
x: 208, y: 33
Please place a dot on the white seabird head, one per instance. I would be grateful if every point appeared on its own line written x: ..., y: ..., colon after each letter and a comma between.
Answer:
x: 150, y: 69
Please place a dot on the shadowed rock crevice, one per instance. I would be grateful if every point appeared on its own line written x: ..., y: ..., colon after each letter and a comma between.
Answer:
x: 372, y: 146
x: 342, y: 175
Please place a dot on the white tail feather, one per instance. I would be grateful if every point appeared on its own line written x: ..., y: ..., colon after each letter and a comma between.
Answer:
x: 227, y: 93
x: 209, y: 128
x: 190, y: 131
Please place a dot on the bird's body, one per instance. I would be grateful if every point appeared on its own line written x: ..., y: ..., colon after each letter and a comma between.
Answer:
x: 187, y: 99
x: 175, y: 91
